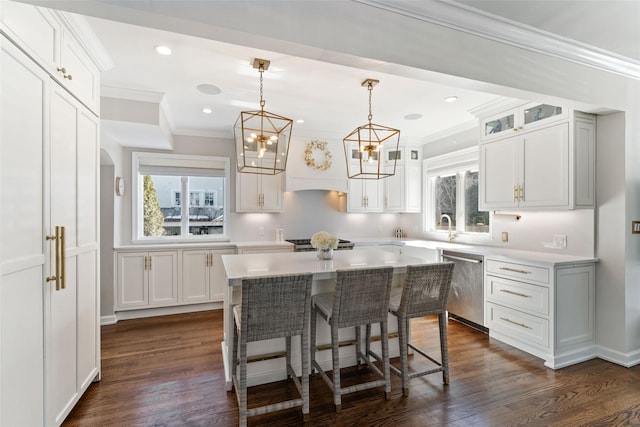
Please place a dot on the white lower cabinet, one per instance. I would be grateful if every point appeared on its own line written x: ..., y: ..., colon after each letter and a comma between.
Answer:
x: 147, y: 279
x: 202, y: 275
x: 168, y: 278
x: 545, y: 310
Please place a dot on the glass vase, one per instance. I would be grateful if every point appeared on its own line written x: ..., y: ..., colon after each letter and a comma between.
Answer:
x: 325, y: 253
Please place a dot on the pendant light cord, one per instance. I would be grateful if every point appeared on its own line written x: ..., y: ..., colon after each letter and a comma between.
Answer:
x: 370, y: 87
x: 261, y: 70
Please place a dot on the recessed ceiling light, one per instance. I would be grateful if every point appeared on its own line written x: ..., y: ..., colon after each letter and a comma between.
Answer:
x: 414, y: 116
x: 209, y: 89
x: 163, y: 50
x: 207, y: 110
x: 451, y: 99
x: 299, y: 121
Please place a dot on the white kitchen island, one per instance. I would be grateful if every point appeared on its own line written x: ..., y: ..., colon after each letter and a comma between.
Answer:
x: 270, y: 364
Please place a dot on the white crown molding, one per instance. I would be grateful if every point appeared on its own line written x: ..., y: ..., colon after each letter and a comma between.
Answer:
x: 448, y: 13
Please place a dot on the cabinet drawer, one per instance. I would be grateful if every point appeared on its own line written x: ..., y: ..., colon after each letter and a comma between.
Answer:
x: 519, y: 271
x: 523, y: 296
x: 518, y: 325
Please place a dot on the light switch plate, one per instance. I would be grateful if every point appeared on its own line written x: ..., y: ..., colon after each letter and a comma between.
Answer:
x: 505, y: 236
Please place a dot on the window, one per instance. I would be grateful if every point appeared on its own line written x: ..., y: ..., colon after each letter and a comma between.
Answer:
x: 160, y: 209
x: 452, y: 193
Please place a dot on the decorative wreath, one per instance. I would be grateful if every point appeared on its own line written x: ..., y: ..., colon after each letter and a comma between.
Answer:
x: 309, y: 155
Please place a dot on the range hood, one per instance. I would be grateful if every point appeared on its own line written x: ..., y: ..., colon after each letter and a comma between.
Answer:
x: 315, y: 164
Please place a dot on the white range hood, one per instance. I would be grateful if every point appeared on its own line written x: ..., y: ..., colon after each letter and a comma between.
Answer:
x: 315, y: 164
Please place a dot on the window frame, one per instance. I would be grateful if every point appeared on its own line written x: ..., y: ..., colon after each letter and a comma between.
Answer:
x: 183, y: 163
x: 455, y: 163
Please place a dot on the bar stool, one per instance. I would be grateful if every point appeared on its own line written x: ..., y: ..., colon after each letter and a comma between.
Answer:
x: 272, y: 307
x: 424, y: 291
x: 361, y: 298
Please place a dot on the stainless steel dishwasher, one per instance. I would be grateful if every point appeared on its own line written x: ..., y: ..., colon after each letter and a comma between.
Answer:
x: 466, y: 297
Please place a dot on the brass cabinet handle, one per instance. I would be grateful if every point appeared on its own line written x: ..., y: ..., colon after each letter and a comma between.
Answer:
x: 150, y: 262
x: 60, y: 273
x: 68, y: 76
x: 62, y: 70
x: 146, y: 265
x: 515, y: 270
x: 515, y: 193
x: 507, y: 291
x: 522, y: 325
x: 521, y: 193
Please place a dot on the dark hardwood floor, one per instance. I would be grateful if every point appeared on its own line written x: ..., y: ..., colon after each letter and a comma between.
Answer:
x: 167, y: 371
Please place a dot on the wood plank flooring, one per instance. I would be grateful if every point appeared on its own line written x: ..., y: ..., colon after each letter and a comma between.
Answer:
x: 167, y: 371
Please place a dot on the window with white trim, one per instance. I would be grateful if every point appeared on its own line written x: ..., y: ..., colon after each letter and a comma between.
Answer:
x: 452, y: 193
x: 159, y: 207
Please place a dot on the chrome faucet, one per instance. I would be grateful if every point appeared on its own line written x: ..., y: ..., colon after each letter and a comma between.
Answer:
x: 451, y: 235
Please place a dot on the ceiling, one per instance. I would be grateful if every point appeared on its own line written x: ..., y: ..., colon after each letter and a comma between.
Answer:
x: 328, y: 97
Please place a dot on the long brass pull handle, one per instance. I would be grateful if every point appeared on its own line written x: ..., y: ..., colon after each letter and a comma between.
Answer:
x: 521, y: 193
x: 507, y: 291
x: 146, y: 262
x: 63, y: 260
x: 150, y: 262
x: 515, y: 270
x: 515, y: 193
x: 60, y: 274
x: 56, y: 276
x: 522, y: 325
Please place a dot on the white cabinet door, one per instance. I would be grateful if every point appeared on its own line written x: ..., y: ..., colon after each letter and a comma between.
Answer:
x: 258, y: 193
x: 62, y: 311
x: 545, y: 170
x: 35, y: 30
x: 132, y: 290
x: 195, y: 275
x: 365, y: 195
x: 163, y: 278
x: 413, y: 190
x: 394, y: 191
x: 82, y: 76
x: 499, y: 174
x: 23, y: 251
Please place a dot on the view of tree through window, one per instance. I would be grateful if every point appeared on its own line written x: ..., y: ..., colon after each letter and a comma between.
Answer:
x: 475, y: 221
x: 164, y: 200
x: 456, y: 196
x: 445, y: 201
x: 153, y: 218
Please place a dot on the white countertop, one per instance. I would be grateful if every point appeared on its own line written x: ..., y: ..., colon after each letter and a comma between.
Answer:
x: 269, y: 264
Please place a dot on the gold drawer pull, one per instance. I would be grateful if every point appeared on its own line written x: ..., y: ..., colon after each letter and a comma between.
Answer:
x: 507, y: 291
x: 515, y: 270
x: 522, y: 325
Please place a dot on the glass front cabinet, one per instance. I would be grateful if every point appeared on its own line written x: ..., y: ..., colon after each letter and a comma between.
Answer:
x: 524, y: 117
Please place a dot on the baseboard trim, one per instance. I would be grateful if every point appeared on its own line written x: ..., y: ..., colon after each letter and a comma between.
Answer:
x: 624, y: 359
x: 164, y: 311
x: 108, y: 320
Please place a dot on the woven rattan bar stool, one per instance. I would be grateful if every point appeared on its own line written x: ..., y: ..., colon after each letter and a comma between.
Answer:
x: 424, y: 291
x: 361, y: 298
x: 272, y: 307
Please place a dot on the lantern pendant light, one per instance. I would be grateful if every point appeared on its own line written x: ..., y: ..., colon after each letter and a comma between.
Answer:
x: 363, y: 148
x: 262, y: 138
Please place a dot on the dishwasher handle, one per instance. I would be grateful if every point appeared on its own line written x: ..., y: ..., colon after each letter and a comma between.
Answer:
x: 458, y: 258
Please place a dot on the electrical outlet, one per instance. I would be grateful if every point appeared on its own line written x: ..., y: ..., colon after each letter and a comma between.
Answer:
x: 261, y: 231
x: 505, y: 236
x: 560, y: 240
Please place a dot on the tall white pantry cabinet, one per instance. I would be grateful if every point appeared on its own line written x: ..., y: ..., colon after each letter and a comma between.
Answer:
x: 49, y: 216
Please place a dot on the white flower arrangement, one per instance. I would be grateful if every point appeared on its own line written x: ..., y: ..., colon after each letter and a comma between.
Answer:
x: 324, y: 240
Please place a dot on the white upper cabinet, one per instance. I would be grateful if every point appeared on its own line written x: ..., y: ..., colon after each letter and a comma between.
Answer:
x: 365, y: 195
x: 258, y: 193
x: 48, y: 36
x: 522, y: 118
x: 403, y: 191
x: 537, y: 156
